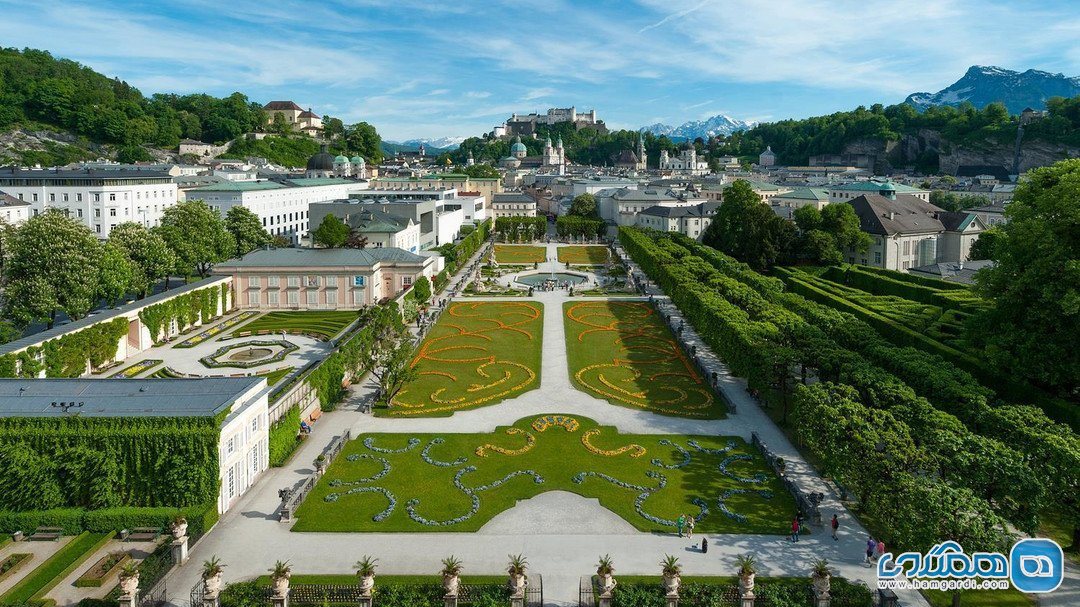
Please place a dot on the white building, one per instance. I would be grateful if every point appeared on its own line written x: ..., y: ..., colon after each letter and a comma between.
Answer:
x: 513, y: 204
x: 686, y: 162
x: 12, y: 210
x: 622, y: 206
x: 243, y: 441
x: 100, y: 199
x: 687, y: 220
x: 850, y: 191
x: 282, y: 205
x: 473, y: 206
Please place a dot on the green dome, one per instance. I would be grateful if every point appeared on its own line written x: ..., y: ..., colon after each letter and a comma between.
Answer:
x: 517, y: 147
x: 356, y: 160
x: 340, y: 159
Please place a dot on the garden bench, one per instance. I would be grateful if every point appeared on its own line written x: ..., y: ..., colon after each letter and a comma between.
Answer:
x: 315, y: 415
x: 143, y: 534
x: 47, y: 534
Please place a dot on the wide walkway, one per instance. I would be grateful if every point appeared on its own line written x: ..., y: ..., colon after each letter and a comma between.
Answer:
x: 560, y: 533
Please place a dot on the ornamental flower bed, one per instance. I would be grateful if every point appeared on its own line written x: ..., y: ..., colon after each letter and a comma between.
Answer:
x: 12, y: 563
x: 457, y: 482
x: 137, y: 368
x: 214, y: 360
x: 198, y: 338
x: 102, y: 570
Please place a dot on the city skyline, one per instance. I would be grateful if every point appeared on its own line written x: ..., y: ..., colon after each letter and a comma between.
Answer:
x: 430, y: 69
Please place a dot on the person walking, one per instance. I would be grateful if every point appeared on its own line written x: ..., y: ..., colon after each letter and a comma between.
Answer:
x: 680, y: 523
x: 704, y: 545
x: 871, y: 545
x: 795, y: 529
x: 690, y: 527
x: 879, y: 550
x: 835, y: 526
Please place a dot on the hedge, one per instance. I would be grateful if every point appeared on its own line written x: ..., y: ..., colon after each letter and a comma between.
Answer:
x: 887, y: 284
x: 285, y: 437
x: 933, y: 283
x: 109, y: 520
x: 69, y: 355
x: 32, y: 588
x: 99, y: 462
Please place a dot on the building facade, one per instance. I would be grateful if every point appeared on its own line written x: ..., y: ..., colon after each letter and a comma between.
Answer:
x: 849, y: 191
x: 99, y: 199
x: 513, y: 204
x: 687, y: 162
x: 689, y: 221
x: 12, y: 210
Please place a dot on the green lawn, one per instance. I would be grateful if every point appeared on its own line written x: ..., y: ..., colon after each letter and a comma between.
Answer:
x: 407, y: 481
x: 981, y: 598
x: 49, y: 573
x: 324, y: 323
x: 509, y: 253
x: 276, y: 375
x: 584, y: 255
x: 478, y: 354
x: 623, y: 353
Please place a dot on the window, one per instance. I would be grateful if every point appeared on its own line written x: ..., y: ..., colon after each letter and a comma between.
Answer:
x: 35, y: 197
x: 294, y: 281
x: 255, y: 424
x: 253, y: 282
x: 358, y: 281
x: 907, y: 247
x: 312, y: 298
x: 52, y: 197
x: 79, y: 213
x: 112, y: 197
x: 231, y: 484
x: 294, y: 298
x: 331, y: 281
x: 272, y: 298
x: 230, y: 446
x: 253, y: 298
x: 331, y: 297
x: 97, y: 197
x: 273, y: 281
x: 97, y: 228
x: 406, y: 281
x: 66, y: 197
x: 312, y: 282
x: 877, y: 257
x: 112, y: 212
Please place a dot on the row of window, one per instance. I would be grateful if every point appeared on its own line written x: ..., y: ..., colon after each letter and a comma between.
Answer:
x: 292, y: 298
x: 311, y: 281
x: 66, y: 197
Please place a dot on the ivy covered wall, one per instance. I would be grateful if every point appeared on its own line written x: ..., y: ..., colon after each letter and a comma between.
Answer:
x: 68, y: 355
x: 185, y: 310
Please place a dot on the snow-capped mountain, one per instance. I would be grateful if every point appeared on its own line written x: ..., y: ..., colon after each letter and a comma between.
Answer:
x: 443, y: 143
x: 717, y: 125
x: 985, y: 84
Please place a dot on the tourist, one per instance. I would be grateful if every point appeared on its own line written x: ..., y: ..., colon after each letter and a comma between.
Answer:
x: 704, y: 545
x: 871, y: 545
x: 690, y: 527
x: 305, y: 428
x: 835, y: 526
x: 879, y: 550
x: 680, y: 523
x: 795, y: 529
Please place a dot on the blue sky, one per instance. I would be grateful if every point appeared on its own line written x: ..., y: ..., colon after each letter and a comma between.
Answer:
x: 431, y: 68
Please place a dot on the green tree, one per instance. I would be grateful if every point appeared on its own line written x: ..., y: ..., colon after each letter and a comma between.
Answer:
x: 246, y: 229
x: 116, y: 274
x: 58, y: 256
x: 983, y: 248
x: 421, y: 290
x: 841, y: 221
x: 1034, y: 285
x: 748, y: 230
x: 150, y: 257
x: 197, y: 236
x: 362, y: 138
x: 331, y: 233
x: 584, y: 205
x: 481, y: 170
x: 392, y: 365
x: 807, y: 218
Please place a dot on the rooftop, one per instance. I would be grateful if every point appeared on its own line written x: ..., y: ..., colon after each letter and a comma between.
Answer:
x: 906, y: 214
x: 126, y: 173
x: 702, y: 209
x: 282, y: 105
x: 200, y: 397
x: 306, y: 258
x: 7, y: 200
x: 876, y: 186
x: 820, y: 194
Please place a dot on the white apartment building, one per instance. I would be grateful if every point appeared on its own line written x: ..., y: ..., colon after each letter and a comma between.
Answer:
x: 281, y: 205
x: 12, y: 210
x: 100, y: 199
x: 622, y: 206
x: 849, y: 191
x: 687, y: 220
x: 513, y: 204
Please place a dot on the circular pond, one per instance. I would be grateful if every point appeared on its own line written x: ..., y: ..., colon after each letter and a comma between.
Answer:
x: 539, y: 278
x: 250, y: 354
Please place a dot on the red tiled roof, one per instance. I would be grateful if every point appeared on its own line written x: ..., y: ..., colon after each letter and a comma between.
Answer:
x: 282, y: 105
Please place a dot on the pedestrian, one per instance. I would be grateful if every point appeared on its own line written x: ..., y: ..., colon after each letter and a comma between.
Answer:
x: 871, y: 545
x: 795, y: 529
x: 704, y: 545
x: 835, y: 526
x: 879, y: 550
x: 680, y: 523
x: 690, y: 527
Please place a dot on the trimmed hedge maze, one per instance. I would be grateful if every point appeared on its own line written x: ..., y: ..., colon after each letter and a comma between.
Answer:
x: 476, y: 355
x: 457, y: 482
x: 623, y: 353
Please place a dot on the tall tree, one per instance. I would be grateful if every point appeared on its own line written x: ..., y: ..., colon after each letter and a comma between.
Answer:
x: 331, y: 233
x: 197, y: 235
x: 1034, y: 286
x: 53, y: 267
x: 247, y: 230
x: 356, y: 240
x: 748, y: 230
x: 983, y: 248
x: 362, y: 138
x: 392, y: 365
x: 421, y: 290
x: 116, y: 274
x: 150, y: 257
x: 584, y: 205
x: 841, y: 221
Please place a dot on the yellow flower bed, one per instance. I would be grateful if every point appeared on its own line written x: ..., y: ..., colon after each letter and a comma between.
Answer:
x: 530, y: 441
x: 637, y: 449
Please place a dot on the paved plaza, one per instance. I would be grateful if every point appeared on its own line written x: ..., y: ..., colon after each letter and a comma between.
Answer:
x: 560, y: 533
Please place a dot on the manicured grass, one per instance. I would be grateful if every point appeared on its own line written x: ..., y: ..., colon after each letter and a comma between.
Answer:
x: 478, y: 354
x: 509, y: 253
x: 324, y: 323
x: 676, y: 474
x: 584, y: 255
x: 981, y: 598
x: 55, y: 568
x: 623, y: 353
x: 276, y: 375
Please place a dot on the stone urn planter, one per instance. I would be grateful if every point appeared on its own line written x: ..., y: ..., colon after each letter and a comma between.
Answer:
x: 212, y: 585
x: 516, y: 570
x: 367, y: 583
x: 671, y: 584
x: 129, y: 583
x: 212, y: 577
x: 672, y: 574
x: 451, y: 583
x: 604, y: 570
x: 747, y: 570
x: 365, y: 573
x: 820, y: 576
x: 451, y: 573
x: 179, y: 528
x: 281, y: 586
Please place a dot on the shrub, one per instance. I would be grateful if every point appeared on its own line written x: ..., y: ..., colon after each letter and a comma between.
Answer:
x: 285, y: 437
x: 47, y: 575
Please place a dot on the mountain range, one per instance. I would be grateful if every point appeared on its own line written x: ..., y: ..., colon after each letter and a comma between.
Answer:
x: 983, y: 84
x: 441, y: 143
x: 717, y: 125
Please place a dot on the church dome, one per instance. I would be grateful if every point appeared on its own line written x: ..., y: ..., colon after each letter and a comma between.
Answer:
x: 340, y: 159
x: 322, y: 161
x: 357, y: 160
x: 518, y: 146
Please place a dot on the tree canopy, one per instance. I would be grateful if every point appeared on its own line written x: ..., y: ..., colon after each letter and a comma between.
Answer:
x: 246, y: 229
x: 1034, y: 285
x: 748, y: 230
x: 197, y: 235
x: 331, y: 233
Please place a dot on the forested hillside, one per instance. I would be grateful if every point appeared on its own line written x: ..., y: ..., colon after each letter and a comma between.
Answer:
x: 794, y: 141
x: 39, y: 92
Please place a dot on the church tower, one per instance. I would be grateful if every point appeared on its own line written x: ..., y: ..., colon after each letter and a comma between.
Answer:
x: 549, y: 153
x: 643, y: 159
